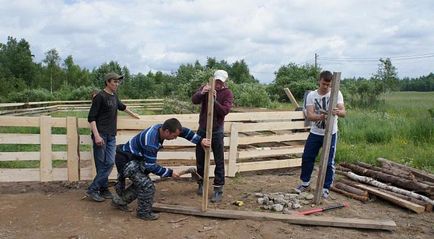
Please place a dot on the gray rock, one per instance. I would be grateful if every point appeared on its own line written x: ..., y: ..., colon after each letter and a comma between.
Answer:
x: 287, y: 211
x: 304, y: 202
x: 309, y: 196
x: 277, y: 207
x: 260, y: 201
x: 259, y: 195
x: 296, y: 206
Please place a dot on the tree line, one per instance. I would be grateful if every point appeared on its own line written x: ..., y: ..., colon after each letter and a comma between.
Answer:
x: 55, y: 78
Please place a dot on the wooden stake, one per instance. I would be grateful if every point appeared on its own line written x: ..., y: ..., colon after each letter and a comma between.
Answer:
x: 209, y: 126
x: 73, y: 149
x: 46, y: 164
x: 291, y: 98
x: 325, y: 151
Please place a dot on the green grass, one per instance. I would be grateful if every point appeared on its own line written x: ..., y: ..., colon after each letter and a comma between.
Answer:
x: 401, y: 130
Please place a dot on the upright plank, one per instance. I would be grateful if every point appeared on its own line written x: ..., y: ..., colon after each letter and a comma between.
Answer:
x: 73, y: 149
x: 291, y: 98
x: 325, y: 151
x: 209, y: 125
x: 46, y: 164
x: 233, y: 149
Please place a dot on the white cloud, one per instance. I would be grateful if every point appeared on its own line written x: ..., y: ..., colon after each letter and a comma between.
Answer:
x: 161, y: 34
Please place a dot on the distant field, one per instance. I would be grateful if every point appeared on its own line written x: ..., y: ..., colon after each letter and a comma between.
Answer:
x: 402, y: 130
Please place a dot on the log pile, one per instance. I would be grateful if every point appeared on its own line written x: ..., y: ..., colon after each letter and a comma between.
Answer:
x: 402, y: 185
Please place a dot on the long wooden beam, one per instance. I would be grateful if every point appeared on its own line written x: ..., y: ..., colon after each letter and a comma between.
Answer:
x: 294, y: 219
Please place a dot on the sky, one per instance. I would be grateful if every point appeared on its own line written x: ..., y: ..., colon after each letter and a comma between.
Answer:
x: 349, y: 36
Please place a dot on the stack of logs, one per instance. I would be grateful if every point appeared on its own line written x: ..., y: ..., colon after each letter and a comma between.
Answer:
x: 397, y: 183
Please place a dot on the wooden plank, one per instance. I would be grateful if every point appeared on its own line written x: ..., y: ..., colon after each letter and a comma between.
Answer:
x: 325, y: 150
x: 46, y: 165
x: 73, y: 149
x: 209, y: 125
x: 267, y: 126
x: 233, y: 149
x: 396, y: 200
x: 291, y: 97
x: 269, y: 164
x: 19, y: 121
x: 29, y: 139
x: 294, y: 219
x: 19, y: 175
x: 253, y: 153
x: 272, y: 138
x: 20, y: 156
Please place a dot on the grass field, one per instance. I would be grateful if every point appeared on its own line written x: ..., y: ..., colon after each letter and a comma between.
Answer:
x: 401, y: 130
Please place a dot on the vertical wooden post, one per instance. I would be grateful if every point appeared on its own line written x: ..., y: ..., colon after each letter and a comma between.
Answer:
x: 73, y: 160
x: 46, y: 163
x: 233, y: 150
x: 325, y: 150
x: 291, y: 98
x: 209, y: 126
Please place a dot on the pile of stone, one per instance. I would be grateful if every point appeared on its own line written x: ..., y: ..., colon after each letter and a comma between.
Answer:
x: 283, y: 202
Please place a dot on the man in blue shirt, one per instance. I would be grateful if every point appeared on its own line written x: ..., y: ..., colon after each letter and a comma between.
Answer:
x: 138, y: 157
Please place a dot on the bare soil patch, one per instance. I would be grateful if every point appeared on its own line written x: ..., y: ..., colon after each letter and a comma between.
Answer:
x: 55, y: 210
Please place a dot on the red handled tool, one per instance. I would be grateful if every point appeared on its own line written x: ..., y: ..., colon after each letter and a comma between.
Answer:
x: 322, y: 209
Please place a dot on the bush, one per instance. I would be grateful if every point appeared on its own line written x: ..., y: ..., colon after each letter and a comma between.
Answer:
x: 250, y: 95
x: 30, y: 95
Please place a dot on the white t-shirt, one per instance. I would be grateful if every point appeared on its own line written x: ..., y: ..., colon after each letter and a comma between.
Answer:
x: 321, y: 102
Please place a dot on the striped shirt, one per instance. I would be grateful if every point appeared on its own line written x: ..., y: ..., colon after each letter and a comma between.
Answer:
x: 146, y: 145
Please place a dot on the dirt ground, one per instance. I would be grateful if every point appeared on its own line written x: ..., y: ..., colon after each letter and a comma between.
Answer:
x: 56, y: 210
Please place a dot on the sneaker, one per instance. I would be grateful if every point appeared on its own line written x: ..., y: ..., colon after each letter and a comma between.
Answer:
x: 217, y: 194
x: 105, y: 193
x: 325, y: 193
x: 95, y: 196
x: 301, y: 188
x: 121, y: 207
x: 149, y: 217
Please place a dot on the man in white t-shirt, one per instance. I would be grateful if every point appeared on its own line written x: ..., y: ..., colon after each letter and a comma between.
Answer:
x: 317, y: 106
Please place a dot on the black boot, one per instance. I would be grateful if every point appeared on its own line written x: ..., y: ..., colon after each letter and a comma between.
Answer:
x: 199, y: 188
x: 217, y: 194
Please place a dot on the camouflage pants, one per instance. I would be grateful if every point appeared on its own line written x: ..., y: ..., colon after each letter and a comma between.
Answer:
x: 142, y: 188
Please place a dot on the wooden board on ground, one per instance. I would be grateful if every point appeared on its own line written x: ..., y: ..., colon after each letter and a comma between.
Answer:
x: 396, y: 200
x: 294, y: 219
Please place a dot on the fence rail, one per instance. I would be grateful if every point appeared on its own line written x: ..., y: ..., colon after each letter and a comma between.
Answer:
x: 253, y: 141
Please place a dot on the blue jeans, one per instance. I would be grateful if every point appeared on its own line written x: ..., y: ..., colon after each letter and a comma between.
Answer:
x: 311, y: 149
x: 104, y: 157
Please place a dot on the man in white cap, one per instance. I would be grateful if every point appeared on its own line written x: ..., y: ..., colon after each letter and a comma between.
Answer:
x: 223, y: 99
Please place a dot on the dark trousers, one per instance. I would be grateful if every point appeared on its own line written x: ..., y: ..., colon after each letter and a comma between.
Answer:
x: 311, y: 149
x: 217, y: 146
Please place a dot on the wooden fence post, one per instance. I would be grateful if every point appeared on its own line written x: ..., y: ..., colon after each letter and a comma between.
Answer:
x: 325, y: 150
x: 233, y: 151
x: 46, y: 163
x: 73, y: 160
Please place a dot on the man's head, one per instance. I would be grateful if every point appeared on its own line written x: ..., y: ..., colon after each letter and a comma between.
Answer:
x: 325, y: 80
x: 220, y: 77
x: 112, y: 81
x: 170, y: 129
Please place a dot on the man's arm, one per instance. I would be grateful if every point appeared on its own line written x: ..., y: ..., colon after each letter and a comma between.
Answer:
x: 312, y: 116
x: 91, y: 118
x: 224, y: 107
x: 150, y: 158
x: 132, y: 114
x: 199, y: 95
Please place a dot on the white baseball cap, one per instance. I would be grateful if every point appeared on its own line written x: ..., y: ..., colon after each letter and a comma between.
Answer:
x: 220, y: 75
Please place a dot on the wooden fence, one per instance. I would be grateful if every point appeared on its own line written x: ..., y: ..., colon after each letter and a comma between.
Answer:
x: 30, y: 108
x: 253, y: 141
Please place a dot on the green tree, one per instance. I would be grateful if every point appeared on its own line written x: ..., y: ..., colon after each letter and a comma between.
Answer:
x: 387, y: 74
x: 240, y: 73
x: 52, y: 61
x: 297, y: 78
